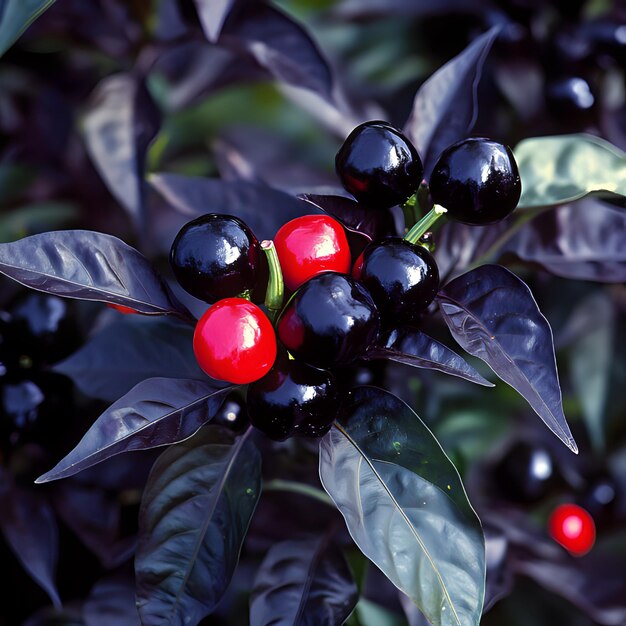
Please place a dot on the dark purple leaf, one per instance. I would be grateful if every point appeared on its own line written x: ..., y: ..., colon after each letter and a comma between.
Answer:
x: 264, y: 209
x: 492, y: 314
x: 129, y: 351
x: 372, y: 224
x: 89, y: 266
x: 405, y: 506
x: 29, y: 527
x: 583, y: 241
x: 413, y: 347
x: 445, y: 107
x: 194, y: 516
x: 94, y: 517
x: 156, y: 412
x: 213, y: 14
x: 120, y: 123
x: 280, y: 45
x: 307, y: 581
x: 111, y: 601
x: 16, y: 16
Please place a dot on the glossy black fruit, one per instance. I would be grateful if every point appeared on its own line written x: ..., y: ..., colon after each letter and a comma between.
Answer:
x: 600, y: 495
x: 330, y: 320
x: 570, y: 97
x: 217, y: 256
x: 526, y: 473
x: 378, y: 165
x: 293, y: 399
x: 477, y: 180
x: 401, y: 277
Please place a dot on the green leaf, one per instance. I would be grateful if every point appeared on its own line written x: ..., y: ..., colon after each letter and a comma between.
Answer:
x: 405, y: 506
x: 194, y: 516
x: 35, y: 218
x: 17, y: 16
x: 560, y: 169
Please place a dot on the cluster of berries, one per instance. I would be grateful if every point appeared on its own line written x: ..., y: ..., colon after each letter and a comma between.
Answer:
x: 336, y: 308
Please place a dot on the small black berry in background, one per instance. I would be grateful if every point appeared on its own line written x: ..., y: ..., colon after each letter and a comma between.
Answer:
x: 477, y: 180
x: 378, y: 165
x: 232, y: 413
x: 526, y: 473
x: 570, y: 98
x: 401, y: 277
x: 218, y: 256
x: 330, y: 320
x: 293, y: 399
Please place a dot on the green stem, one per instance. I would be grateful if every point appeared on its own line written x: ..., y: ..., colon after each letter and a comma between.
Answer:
x: 295, y: 487
x: 275, y: 286
x: 425, y: 223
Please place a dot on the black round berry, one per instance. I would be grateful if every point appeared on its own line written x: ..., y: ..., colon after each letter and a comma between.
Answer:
x: 526, y: 473
x: 232, y: 413
x: 217, y: 256
x: 477, y: 180
x: 329, y: 321
x: 378, y: 165
x: 402, y: 278
x: 293, y: 399
x: 570, y: 97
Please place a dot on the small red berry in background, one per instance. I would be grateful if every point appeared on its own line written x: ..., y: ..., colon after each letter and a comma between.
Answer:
x: 310, y: 245
x: 573, y: 528
x: 235, y: 341
x: 126, y: 310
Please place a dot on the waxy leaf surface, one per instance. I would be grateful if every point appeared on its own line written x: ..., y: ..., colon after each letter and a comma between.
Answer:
x: 194, y: 516
x: 156, y: 412
x: 412, y: 347
x: 89, y: 266
x: 405, y: 506
x: 492, y: 314
x: 563, y: 168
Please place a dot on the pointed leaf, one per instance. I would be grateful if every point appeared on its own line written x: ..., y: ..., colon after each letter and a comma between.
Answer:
x: 16, y: 16
x: 156, y: 412
x: 264, y: 209
x: 584, y: 241
x: 129, y: 351
x: 303, y: 582
x: 213, y: 14
x: 30, y: 529
x: 405, y: 506
x: 412, y: 347
x: 560, y: 169
x: 121, y: 121
x: 492, y: 314
x: 89, y: 266
x: 280, y: 45
x: 194, y: 516
x: 445, y: 107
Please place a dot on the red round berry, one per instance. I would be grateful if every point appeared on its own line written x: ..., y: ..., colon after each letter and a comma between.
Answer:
x: 235, y: 341
x: 310, y: 245
x: 126, y: 310
x: 573, y: 528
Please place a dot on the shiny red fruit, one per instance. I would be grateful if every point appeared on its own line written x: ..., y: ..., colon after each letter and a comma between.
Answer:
x: 235, y: 341
x: 573, y: 528
x: 310, y: 245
